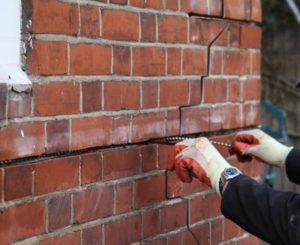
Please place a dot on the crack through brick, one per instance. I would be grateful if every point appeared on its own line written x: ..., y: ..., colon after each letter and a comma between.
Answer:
x: 180, y: 125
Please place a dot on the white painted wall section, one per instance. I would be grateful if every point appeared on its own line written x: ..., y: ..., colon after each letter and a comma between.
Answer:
x: 10, y: 43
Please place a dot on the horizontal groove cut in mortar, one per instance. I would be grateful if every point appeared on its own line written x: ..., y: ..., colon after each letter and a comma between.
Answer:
x: 32, y: 159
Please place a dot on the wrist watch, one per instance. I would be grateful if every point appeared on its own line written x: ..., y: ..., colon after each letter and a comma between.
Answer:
x: 228, y: 174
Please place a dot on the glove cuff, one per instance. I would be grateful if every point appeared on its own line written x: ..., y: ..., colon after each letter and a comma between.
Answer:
x: 285, y: 152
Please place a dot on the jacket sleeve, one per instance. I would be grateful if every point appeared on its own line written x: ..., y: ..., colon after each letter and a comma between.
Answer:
x: 292, y: 166
x: 271, y: 215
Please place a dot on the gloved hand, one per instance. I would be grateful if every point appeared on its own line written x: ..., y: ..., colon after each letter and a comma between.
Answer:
x: 197, y: 158
x: 256, y: 143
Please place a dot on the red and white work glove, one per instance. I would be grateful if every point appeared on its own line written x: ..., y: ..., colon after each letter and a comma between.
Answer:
x: 197, y: 158
x: 256, y: 143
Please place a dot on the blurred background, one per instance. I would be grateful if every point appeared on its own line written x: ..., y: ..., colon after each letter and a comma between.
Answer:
x: 280, y: 74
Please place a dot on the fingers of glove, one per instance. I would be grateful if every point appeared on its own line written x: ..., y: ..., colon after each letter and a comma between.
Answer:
x: 172, y: 155
x: 244, y: 158
x: 187, y: 167
x: 183, y: 170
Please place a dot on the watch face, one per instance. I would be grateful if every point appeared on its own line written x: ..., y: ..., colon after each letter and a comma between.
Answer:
x: 229, y: 173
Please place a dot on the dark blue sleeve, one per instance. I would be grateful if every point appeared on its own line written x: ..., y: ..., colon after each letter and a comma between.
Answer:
x: 271, y: 215
x: 292, y: 166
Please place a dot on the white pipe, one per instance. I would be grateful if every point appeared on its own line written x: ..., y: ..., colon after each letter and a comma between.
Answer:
x: 294, y: 9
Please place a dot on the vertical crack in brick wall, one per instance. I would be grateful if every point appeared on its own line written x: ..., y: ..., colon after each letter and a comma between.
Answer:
x: 202, y: 77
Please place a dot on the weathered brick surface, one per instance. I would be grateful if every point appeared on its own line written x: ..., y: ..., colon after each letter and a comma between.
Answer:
x: 18, y: 182
x: 26, y: 220
x: 120, y: 73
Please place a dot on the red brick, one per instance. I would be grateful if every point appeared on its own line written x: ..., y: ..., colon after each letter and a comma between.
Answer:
x: 196, y: 7
x: 234, y: 32
x: 255, y: 63
x: 163, y: 152
x: 156, y: 4
x: 174, y: 93
x: 171, y: 4
x: 195, y: 120
x: 52, y: 99
x: 122, y: 60
x: 173, y: 122
x: 93, y: 204
x: 119, y: 1
x: 3, y: 100
x: 148, y: 61
x: 91, y: 132
x: 216, y: 231
x: 174, y: 61
x: 58, y: 135
x: 91, y: 168
x: 203, y: 31
x: 59, y: 212
x: 1, y: 184
x: 205, y: 207
x: 19, y: 104
x: 237, y: 9
x: 150, y: 94
x: 152, y: 223
x: 234, y: 90
x: 174, y: 216
x: 148, y: 125
x: 231, y: 230
x: 175, y: 239
x: 225, y: 139
x: 54, y: 17
x: 195, y: 92
x: 148, y: 27
x: 252, y: 114
x: 90, y: 59
x: 256, y: 10
x: 92, y: 235
x: 233, y: 116
x: 215, y: 7
x: 18, y: 135
x: 20, y: 222
x: 149, y: 154
x: 120, y: 25
x: 216, y: 65
x: 215, y: 118
x: 194, y: 62
x: 129, y: 230
x: 234, y: 63
x: 202, y: 235
x: 178, y: 188
x: 17, y: 181
x: 149, y: 190
x: 121, y: 129
x: 68, y: 238
x: 161, y: 241
x: 250, y: 36
x: 121, y: 95
x: 124, y: 198
x: 172, y: 29
x: 215, y: 90
x: 251, y: 89
x: 56, y: 174
x: 121, y: 163
x: 48, y: 58
x: 89, y: 21
x: 91, y: 96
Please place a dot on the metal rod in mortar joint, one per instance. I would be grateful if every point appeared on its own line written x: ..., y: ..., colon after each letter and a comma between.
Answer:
x: 181, y: 138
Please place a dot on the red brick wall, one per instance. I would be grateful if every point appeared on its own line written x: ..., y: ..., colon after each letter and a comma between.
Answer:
x: 107, y: 73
